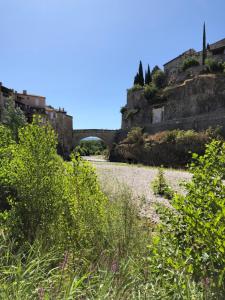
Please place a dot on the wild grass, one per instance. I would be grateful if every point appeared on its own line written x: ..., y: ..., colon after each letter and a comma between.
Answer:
x: 62, y: 237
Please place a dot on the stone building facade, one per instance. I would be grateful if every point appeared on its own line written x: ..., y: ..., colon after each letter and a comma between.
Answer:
x: 173, y: 68
x: 33, y: 104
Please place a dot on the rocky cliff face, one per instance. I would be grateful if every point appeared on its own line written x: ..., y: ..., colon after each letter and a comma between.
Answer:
x: 195, y: 104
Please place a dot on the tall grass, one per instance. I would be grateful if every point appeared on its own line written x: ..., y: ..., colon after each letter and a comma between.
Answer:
x: 62, y: 237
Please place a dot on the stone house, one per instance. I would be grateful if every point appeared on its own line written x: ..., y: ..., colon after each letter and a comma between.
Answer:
x: 173, y: 68
x: 63, y: 125
x: 34, y: 104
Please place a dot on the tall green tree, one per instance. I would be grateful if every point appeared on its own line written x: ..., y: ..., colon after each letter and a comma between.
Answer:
x: 155, y: 69
x: 13, y: 117
x: 204, y: 49
x: 136, y: 79
x: 148, y: 77
x: 141, y: 75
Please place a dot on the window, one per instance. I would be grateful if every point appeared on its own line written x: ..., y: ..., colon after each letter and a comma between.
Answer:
x: 157, y: 115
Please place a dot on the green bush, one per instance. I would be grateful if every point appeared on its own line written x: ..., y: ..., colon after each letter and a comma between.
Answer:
x: 13, y: 117
x: 123, y: 109
x: 160, y: 187
x: 131, y: 112
x: 214, y: 66
x: 63, y: 238
x: 196, y: 227
x: 51, y: 199
x: 135, y: 136
x: 189, y: 62
x: 90, y: 147
x: 159, y: 79
x: 136, y: 87
x: 150, y: 92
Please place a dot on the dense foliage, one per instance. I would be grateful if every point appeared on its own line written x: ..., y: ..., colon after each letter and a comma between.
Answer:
x: 159, y: 79
x: 168, y: 148
x: 189, y: 62
x: 148, y: 76
x: 63, y: 238
x: 139, y: 78
x: 150, y: 92
x: 91, y: 147
x: 196, y: 227
x: 214, y: 66
x: 13, y: 116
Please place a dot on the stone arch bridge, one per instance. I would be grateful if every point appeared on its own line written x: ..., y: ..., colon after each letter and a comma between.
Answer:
x: 108, y: 136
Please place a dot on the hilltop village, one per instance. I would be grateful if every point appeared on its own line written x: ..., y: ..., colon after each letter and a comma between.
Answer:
x: 188, y: 94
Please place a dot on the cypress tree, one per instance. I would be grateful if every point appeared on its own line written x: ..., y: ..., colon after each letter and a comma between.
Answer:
x: 148, y: 77
x: 141, y: 75
x: 204, y: 50
x: 136, y: 79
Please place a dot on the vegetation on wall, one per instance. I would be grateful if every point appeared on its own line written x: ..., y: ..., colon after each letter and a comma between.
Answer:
x: 150, y: 92
x: 214, y: 66
x: 189, y: 62
x: 123, y: 109
x: 159, y: 79
x: 155, y: 69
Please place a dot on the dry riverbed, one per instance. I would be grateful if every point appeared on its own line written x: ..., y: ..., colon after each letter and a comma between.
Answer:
x: 114, y: 176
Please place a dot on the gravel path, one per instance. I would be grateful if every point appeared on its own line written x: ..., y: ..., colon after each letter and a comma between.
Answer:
x: 138, y: 179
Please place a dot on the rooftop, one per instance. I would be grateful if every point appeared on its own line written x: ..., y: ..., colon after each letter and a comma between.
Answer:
x: 217, y: 45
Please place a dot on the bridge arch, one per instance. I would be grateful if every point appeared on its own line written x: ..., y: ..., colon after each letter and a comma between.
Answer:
x: 107, y: 136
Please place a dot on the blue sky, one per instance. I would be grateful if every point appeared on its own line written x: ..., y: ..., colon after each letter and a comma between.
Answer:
x: 83, y: 54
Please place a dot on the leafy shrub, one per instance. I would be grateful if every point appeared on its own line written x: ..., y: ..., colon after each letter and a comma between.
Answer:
x: 131, y: 112
x: 135, y: 136
x: 123, y: 109
x: 13, y: 117
x: 189, y: 62
x: 197, y: 226
x: 160, y: 186
x: 51, y: 199
x: 136, y: 87
x: 90, y: 147
x: 150, y: 92
x: 214, y: 66
x: 159, y: 79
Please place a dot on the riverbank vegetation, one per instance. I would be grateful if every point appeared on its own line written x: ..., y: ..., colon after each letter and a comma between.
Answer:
x: 171, y: 148
x: 91, y: 147
x: 63, y: 238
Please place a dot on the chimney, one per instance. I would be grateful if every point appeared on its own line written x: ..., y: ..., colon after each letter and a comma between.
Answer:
x: 25, y: 92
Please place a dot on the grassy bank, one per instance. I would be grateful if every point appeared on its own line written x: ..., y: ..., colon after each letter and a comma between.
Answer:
x: 62, y: 237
